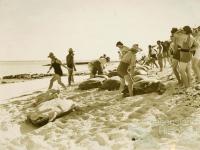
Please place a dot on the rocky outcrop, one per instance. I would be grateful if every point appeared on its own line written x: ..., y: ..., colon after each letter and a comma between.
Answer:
x: 27, y: 76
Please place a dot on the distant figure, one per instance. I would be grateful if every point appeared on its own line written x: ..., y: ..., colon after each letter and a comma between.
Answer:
x: 70, y: 64
x: 56, y: 65
x: 160, y: 55
x: 152, y: 55
x: 128, y: 61
x: 97, y: 66
x: 165, y: 52
x: 104, y: 56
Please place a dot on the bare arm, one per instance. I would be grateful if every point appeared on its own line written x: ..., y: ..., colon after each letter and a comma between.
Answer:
x: 58, y: 61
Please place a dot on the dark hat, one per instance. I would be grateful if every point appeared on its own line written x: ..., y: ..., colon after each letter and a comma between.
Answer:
x: 187, y: 29
x: 51, y: 54
x: 173, y: 30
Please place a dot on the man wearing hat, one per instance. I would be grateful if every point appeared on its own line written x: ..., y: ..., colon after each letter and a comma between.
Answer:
x: 71, y: 65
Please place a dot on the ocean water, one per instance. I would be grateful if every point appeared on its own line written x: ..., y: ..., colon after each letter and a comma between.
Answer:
x: 31, y: 67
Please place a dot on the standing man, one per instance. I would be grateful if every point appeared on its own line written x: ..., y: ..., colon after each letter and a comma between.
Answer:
x: 71, y: 65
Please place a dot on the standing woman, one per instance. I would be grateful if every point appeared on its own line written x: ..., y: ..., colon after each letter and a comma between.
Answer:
x: 56, y: 65
x: 128, y: 61
x: 71, y: 65
x: 187, y: 45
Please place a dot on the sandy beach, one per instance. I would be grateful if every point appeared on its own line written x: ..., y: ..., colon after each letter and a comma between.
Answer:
x: 103, y: 120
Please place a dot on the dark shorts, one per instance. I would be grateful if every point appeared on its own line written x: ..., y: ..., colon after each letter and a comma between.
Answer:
x: 176, y: 55
x: 154, y: 56
x: 97, y: 68
x: 122, y: 69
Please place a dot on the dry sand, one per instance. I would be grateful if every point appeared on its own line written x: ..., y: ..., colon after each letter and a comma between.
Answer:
x: 106, y: 121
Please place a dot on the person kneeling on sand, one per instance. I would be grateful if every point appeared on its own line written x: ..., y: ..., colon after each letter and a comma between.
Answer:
x: 56, y: 65
x: 128, y: 61
x: 97, y: 66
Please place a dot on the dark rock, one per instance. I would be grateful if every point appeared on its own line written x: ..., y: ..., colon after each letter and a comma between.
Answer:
x: 110, y: 84
x: 91, y: 83
x: 112, y: 73
x: 146, y: 86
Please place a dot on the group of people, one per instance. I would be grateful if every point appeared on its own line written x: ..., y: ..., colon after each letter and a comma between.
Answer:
x: 56, y: 65
x: 182, y: 52
x: 185, y: 54
x: 95, y: 67
x: 160, y: 53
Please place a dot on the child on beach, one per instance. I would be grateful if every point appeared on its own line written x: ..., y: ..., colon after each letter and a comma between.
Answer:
x: 56, y: 65
x: 71, y: 65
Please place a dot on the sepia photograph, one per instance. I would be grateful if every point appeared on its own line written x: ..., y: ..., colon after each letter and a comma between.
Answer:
x: 99, y: 75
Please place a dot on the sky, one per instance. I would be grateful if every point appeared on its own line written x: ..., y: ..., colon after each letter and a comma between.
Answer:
x: 30, y: 29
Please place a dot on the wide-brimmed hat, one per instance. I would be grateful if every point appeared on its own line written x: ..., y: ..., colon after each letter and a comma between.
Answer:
x: 51, y: 54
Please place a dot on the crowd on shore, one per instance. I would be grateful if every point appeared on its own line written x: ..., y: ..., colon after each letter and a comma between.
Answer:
x: 181, y: 52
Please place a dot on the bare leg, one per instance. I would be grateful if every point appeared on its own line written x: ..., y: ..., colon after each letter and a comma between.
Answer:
x: 196, y: 68
x: 184, y: 77
x: 175, y: 70
x: 122, y: 85
x: 53, y: 79
x: 130, y: 84
x: 188, y: 72
x: 60, y: 82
